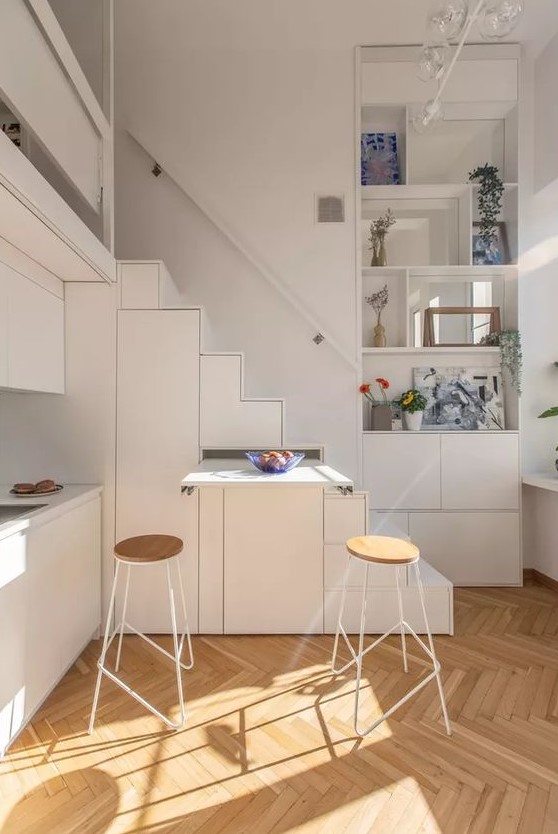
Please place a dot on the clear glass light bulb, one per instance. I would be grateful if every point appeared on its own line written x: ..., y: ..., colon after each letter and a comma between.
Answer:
x: 446, y: 20
x: 428, y: 116
x: 433, y: 61
x: 499, y: 18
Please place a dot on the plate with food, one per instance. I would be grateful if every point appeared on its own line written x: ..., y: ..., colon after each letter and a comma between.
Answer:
x: 44, y: 487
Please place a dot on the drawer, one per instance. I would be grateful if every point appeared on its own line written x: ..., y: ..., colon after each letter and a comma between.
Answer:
x: 344, y: 517
x: 382, y: 611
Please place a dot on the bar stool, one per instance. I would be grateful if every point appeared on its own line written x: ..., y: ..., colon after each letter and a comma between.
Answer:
x: 385, y: 550
x: 146, y: 550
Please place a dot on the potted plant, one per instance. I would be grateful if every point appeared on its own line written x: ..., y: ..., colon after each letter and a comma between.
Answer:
x: 378, y: 231
x: 380, y: 410
x: 511, y: 356
x: 491, y: 189
x: 412, y: 404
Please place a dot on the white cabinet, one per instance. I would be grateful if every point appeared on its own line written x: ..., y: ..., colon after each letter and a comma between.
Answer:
x: 35, y: 337
x: 480, y: 472
x: 273, y: 575
x: 157, y: 442
x: 402, y: 471
x: 462, y: 510
x: 49, y: 608
x: 31, y: 335
x: 470, y: 548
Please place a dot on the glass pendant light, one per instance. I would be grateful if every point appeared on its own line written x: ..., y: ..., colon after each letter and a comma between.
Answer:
x: 428, y: 116
x: 499, y: 18
x: 433, y: 61
x: 446, y: 20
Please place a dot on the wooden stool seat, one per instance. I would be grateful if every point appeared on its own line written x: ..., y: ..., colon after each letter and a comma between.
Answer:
x: 151, y: 548
x: 383, y: 549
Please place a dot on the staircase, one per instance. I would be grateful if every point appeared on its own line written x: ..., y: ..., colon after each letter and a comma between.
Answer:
x: 228, y: 419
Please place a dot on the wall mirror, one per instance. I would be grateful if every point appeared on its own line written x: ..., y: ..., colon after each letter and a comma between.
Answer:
x: 465, y: 325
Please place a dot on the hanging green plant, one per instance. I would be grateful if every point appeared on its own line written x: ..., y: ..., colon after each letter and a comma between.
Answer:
x: 511, y: 356
x: 491, y: 189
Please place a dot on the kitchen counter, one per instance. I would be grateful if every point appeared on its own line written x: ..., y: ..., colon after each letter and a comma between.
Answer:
x: 51, y: 507
x: 238, y: 472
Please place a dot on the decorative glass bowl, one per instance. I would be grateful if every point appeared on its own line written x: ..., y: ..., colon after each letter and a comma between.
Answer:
x: 275, y: 463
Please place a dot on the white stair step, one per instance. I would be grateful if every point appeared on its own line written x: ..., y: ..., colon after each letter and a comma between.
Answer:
x: 226, y: 418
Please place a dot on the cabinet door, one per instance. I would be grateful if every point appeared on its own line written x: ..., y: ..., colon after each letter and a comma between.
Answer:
x: 273, y: 580
x: 402, y: 471
x: 157, y: 445
x: 4, y: 272
x: 35, y: 337
x: 470, y: 548
x: 480, y: 472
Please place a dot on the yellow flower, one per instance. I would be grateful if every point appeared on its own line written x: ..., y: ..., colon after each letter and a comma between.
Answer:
x: 408, y: 399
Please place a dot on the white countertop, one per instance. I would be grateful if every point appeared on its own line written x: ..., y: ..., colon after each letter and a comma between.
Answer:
x: 52, y: 506
x: 542, y: 480
x: 236, y: 472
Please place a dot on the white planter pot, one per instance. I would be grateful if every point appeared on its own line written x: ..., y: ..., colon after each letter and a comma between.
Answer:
x: 412, y: 421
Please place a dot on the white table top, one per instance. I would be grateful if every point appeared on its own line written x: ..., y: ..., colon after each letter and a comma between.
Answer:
x: 237, y: 472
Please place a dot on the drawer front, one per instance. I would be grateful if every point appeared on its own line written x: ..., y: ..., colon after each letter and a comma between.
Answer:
x: 390, y: 524
x: 470, y: 548
x: 382, y: 611
x: 344, y: 517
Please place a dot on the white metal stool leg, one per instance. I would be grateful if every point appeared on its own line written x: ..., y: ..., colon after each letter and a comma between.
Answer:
x: 186, y: 632
x: 175, y: 644
x: 400, y: 604
x: 433, y: 653
x: 117, y: 664
x: 340, y: 628
x: 106, y: 643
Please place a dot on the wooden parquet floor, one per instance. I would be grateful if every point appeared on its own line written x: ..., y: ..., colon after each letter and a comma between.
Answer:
x: 269, y: 746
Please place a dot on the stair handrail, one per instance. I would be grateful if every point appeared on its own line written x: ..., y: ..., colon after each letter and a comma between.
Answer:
x: 160, y: 166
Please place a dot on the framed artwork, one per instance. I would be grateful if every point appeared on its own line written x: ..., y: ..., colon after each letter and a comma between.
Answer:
x: 461, y: 399
x: 379, y: 164
x: 430, y: 340
x: 497, y: 253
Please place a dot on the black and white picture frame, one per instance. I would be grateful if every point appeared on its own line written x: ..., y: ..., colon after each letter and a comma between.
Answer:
x: 461, y: 399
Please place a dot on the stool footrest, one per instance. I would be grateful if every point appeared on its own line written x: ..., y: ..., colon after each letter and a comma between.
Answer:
x: 156, y: 645
x: 115, y: 679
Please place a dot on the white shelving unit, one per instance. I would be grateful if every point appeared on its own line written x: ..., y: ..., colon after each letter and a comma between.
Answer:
x: 430, y: 263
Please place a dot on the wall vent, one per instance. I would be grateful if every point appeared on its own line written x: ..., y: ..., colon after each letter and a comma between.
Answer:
x: 330, y: 208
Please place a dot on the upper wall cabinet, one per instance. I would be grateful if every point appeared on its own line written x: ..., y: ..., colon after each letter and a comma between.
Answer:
x: 67, y: 135
x: 31, y: 334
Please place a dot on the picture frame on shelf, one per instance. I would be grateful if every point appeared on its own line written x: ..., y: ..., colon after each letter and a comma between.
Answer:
x: 431, y: 337
x: 495, y: 255
x: 461, y: 399
x: 379, y: 163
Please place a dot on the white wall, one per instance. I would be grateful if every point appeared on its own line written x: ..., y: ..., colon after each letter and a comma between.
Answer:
x: 253, y: 105
x: 538, y: 306
x: 546, y: 116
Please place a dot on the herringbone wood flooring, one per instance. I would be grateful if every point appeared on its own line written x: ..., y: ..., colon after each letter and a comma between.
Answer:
x: 269, y: 747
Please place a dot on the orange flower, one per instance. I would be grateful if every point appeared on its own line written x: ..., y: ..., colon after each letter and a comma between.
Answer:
x: 383, y: 383
x: 364, y: 388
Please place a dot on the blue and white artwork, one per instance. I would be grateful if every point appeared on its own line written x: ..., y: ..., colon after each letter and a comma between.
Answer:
x: 378, y: 159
